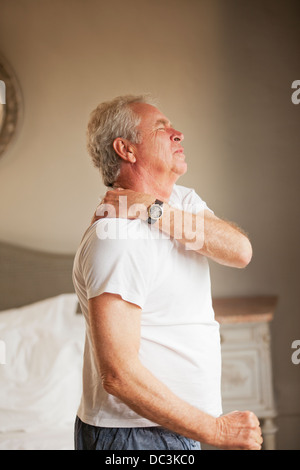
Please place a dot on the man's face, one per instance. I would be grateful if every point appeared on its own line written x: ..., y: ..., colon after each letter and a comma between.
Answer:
x: 160, y: 149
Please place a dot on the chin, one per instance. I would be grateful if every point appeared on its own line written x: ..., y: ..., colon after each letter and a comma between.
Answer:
x: 180, y: 169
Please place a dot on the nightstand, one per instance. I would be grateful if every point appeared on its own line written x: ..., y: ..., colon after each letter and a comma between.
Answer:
x: 246, y: 359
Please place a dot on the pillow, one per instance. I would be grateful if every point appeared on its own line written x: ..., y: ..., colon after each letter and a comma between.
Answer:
x: 40, y: 382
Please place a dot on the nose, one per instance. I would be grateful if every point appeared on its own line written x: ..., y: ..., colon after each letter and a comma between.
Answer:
x: 177, y: 136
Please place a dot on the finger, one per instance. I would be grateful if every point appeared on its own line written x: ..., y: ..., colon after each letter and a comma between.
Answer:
x: 106, y: 210
x: 253, y: 420
x: 258, y: 439
x: 94, y: 218
x: 115, y: 190
x: 257, y: 447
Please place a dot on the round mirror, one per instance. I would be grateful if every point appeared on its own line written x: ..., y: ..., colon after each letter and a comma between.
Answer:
x: 10, y: 104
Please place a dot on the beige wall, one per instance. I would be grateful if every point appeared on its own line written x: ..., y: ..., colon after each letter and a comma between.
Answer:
x: 222, y: 71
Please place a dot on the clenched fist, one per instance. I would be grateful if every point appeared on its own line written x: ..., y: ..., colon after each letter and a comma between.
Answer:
x: 239, y: 430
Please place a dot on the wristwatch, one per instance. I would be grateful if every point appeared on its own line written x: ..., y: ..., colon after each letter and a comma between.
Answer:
x: 155, y: 211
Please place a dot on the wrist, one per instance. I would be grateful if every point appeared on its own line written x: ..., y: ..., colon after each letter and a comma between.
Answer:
x: 155, y: 211
x: 208, y: 434
x: 139, y: 207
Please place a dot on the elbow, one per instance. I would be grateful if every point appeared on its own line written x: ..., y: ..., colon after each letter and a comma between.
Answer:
x: 112, y: 383
x: 245, y: 253
x: 118, y: 381
x: 118, y: 377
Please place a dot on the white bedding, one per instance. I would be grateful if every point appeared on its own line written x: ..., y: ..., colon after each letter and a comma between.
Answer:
x: 40, y: 381
x: 50, y: 438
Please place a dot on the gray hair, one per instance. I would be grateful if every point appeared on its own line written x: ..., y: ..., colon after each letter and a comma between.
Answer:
x: 108, y: 121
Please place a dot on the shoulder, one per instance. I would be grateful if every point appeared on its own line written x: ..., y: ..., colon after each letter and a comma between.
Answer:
x: 184, y: 194
x: 180, y: 192
x: 186, y: 199
x: 111, y: 238
x: 115, y: 257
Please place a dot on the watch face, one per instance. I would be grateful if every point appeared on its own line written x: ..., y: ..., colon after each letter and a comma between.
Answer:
x: 155, y: 211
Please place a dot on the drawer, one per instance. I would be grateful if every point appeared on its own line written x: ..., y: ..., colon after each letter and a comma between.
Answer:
x: 243, y: 335
x: 241, y: 378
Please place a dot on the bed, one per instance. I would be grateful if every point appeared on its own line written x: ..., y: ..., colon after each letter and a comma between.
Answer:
x: 41, y: 350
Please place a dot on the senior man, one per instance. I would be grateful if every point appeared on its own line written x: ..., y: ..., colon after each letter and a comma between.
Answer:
x: 152, y: 361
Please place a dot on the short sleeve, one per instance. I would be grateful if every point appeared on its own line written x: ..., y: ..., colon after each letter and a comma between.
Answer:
x: 188, y: 200
x: 118, y: 261
x: 192, y: 202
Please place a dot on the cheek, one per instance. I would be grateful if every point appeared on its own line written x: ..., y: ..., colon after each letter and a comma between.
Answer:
x: 156, y: 152
x: 162, y: 148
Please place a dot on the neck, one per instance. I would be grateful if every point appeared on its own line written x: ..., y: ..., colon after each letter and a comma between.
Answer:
x: 144, y: 182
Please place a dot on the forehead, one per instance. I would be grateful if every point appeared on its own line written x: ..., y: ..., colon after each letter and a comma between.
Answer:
x: 150, y: 115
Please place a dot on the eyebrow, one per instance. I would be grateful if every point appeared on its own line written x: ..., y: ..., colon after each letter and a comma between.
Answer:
x: 164, y: 122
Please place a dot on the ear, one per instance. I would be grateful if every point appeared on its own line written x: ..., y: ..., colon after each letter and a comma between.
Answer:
x: 124, y: 149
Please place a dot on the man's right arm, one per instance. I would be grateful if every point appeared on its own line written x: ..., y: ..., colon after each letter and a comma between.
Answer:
x: 115, y: 327
x: 202, y: 232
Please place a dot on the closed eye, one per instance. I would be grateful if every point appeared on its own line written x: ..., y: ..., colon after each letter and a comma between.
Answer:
x: 162, y: 124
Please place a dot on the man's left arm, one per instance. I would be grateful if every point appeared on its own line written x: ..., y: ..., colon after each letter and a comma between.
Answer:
x: 202, y: 232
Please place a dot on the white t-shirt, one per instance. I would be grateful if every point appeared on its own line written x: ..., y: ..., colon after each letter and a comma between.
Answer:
x: 180, y: 341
